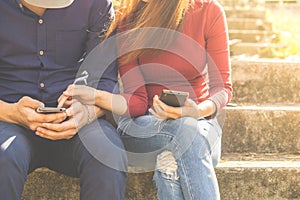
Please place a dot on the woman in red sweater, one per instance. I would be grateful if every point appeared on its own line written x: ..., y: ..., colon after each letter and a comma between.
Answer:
x: 177, y: 45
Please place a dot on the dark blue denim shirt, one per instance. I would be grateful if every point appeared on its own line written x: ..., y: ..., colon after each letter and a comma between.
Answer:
x: 40, y: 56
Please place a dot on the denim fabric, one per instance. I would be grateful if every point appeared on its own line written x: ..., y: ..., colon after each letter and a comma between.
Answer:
x: 195, y: 144
x: 21, y: 151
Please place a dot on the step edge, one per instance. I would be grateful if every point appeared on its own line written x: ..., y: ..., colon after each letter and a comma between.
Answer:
x: 295, y: 108
x: 260, y: 164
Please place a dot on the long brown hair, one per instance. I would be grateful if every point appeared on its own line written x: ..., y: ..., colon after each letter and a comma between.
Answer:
x: 137, y: 14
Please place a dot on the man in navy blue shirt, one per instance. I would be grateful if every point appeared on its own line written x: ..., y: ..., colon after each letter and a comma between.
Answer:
x: 42, y: 45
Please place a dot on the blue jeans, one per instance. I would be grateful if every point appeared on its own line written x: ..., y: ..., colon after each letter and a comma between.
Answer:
x: 21, y: 151
x: 194, y: 144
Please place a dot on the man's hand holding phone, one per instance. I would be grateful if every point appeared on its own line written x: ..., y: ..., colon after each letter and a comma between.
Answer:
x: 24, y: 114
x: 78, y: 116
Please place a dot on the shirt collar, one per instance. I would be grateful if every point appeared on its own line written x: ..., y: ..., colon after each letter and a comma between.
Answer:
x: 18, y: 3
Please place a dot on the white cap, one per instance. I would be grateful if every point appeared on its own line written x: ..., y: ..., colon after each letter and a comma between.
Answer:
x: 50, y: 3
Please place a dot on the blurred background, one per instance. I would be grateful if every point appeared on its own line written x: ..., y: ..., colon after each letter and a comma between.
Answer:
x: 262, y: 29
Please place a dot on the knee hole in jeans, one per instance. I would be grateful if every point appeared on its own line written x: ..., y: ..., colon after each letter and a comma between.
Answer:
x: 167, y: 165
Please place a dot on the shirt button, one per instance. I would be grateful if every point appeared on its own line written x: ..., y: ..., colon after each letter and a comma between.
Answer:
x: 41, y: 21
x: 41, y: 52
x: 42, y: 85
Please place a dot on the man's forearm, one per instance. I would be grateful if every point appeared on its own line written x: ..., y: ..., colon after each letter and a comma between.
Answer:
x: 6, y: 111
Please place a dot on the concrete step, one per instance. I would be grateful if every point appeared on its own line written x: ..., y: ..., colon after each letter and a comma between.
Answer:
x: 265, y: 82
x: 251, y: 35
x: 261, y: 177
x: 240, y: 12
x: 248, y: 24
x: 261, y: 49
x: 260, y: 129
x: 281, y: 1
x: 240, y: 177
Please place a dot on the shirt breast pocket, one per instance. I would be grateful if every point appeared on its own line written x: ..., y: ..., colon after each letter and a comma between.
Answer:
x: 70, y: 46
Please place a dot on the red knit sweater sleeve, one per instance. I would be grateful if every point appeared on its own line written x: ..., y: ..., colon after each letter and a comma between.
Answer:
x: 134, y: 88
x: 219, y: 69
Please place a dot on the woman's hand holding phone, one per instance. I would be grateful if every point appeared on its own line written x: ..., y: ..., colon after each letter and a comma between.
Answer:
x: 173, y: 105
x: 173, y: 98
x: 164, y: 111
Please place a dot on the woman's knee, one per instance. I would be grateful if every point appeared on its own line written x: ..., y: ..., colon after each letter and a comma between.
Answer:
x: 166, y: 166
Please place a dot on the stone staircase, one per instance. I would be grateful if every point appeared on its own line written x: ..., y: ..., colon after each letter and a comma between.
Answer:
x: 249, y: 29
x: 261, y: 145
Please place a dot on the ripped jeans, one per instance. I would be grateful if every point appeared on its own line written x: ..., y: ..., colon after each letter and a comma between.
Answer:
x: 182, y: 152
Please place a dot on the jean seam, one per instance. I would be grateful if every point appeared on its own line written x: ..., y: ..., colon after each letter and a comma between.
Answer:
x: 186, y: 179
x: 217, y: 139
x: 169, y: 136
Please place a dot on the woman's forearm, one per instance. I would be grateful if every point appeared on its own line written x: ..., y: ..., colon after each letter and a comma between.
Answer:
x: 206, y: 108
x: 112, y: 102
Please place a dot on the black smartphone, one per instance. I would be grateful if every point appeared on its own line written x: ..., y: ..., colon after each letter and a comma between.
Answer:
x: 173, y: 98
x: 47, y: 110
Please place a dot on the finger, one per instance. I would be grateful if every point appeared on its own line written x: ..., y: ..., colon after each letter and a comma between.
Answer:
x: 47, y: 134
x: 61, y: 97
x: 154, y: 113
x: 75, y: 90
x: 50, y: 118
x: 52, y: 135
x: 65, y: 95
x: 172, y: 112
x: 155, y: 100
x: 68, y: 103
x: 69, y: 90
x: 70, y: 112
x: 42, y: 118
x: 67, y: 125
x: 169, y: 112
x: 34, y: 126
x: 31, y: 103
x: 66, y: 130
x: 158, y: 102
x: 59, y: 119
x: 159, y: 112
x: 61, y: 101
x: 76, y: 107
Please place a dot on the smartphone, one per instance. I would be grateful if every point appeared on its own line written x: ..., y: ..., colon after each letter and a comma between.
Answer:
x: 47, y: 110
x: 173, y: 98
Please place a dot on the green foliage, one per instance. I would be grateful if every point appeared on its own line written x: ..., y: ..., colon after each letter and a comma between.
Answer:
x: 116, y: 3
x: 285, y: 21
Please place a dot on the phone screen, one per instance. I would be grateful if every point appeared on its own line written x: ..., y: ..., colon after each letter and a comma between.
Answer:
x: 173, y: 98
